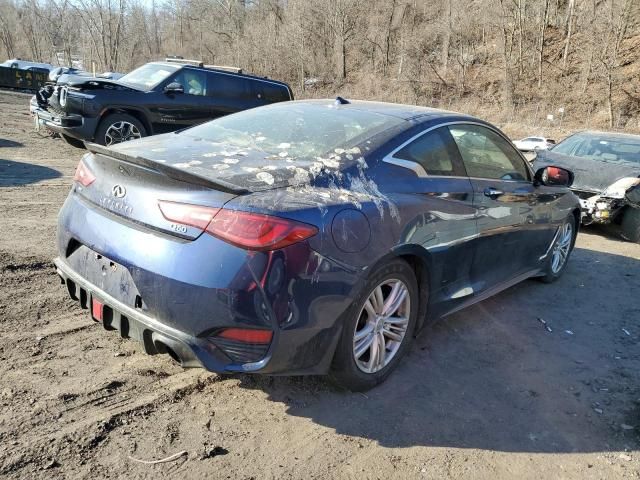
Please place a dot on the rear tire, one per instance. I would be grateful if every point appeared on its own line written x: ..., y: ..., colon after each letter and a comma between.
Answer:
x: 560, y: 251
x: 118, y: 128
x: 74, y: 142
x: 388, y: 332
x: 631, y: 224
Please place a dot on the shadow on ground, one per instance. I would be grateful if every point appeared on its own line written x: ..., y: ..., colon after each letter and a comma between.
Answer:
x: 13, y: 174
x: 492, y: 377
x: 9, y: 143
x: 610, y: 231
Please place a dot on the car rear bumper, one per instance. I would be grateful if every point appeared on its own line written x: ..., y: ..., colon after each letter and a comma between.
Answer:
x: 189, y: 290
x: 154, y: 336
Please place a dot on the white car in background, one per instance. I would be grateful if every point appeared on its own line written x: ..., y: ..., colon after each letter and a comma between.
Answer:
x: 529, y: 144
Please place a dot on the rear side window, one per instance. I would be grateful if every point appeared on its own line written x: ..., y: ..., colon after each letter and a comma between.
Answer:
x: 271, y: 92
x: 229, y: 87
x: 436, y: 152
x: 487, y: 155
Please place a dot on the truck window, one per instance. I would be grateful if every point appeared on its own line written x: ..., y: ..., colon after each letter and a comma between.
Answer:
x: 228, y: 87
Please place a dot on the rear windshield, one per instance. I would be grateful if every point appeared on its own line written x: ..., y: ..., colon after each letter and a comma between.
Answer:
x: 299, y: 129
x: 147, y: 76
x: 601, y: 147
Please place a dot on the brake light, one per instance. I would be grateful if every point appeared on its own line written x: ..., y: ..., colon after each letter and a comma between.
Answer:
x: 185, y: 214
x: 252, y: 231
x: 246, y: 335
x: 83, y: 175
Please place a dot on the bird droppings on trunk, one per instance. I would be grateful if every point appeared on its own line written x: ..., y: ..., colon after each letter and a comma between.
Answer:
x: 265, y: 177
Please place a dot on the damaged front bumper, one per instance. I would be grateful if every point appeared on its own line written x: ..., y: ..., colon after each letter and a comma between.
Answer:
x: 72, y: 125
x: 600, y: 209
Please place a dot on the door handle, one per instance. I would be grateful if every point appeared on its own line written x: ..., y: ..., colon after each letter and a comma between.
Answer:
x: 492, y: 192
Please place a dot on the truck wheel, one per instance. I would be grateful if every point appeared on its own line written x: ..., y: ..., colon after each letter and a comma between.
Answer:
x: 74, y: 142
x: 631, y: 224
x: 118, y: 128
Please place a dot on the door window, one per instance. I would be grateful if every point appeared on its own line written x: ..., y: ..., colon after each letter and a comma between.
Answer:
x: 487, y: 155
x: 229, y: 87
x: 436, y: 152
x: 194, y: 82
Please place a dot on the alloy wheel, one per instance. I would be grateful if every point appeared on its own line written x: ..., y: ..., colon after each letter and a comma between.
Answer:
x: 382, y: 326
x: 121, y: 131
x: 561, y: 248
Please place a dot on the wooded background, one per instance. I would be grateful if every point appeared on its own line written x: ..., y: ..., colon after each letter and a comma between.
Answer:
x: 512, y: 61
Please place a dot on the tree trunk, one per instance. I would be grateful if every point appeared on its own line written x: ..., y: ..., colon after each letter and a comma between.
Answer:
x: 446, y: 40
x: 610, y: 97
x: 520, y: 37
x: 567, y: 42
x: 543, y: 29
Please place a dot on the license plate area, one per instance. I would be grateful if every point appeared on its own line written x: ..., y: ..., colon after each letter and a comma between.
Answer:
x: 108, y: 276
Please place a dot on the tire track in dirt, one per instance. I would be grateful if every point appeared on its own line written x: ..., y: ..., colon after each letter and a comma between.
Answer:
x: 101, y: 411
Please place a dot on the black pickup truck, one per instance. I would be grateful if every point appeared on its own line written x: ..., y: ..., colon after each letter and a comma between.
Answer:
x: 158, y: 97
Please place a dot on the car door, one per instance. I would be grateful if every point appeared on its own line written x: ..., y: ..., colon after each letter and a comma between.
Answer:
x: 513, y: 220
x: 445, y: 223
x: 173, y: 110
x: 228, y: 93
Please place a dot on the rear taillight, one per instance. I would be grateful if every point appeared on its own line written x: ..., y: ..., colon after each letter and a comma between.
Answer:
x: 185, y: 214
x: 252, y: 231
x: 258, y: 232
x: 246, y: 335
x: 83, y: 175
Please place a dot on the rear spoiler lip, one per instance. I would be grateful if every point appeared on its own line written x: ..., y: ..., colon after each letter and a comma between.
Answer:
x: 169, y: 171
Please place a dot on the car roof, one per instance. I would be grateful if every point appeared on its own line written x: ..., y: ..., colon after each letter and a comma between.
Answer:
x: 224, y: 72
x: 621, y: 136
x: 398, y: 110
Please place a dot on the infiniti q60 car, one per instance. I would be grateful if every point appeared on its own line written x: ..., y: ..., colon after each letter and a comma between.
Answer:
x: 311, y: 237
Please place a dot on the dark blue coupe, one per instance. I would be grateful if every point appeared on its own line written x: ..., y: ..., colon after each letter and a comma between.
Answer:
x: 307, y: 237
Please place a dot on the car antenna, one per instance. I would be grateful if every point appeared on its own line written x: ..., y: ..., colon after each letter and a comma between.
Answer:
x: 342, y: 101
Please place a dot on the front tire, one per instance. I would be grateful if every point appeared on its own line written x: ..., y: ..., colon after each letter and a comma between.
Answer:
x: 378, y: 329
x: 118, y: 128
x: 631, y: 224
x: 560, y: 251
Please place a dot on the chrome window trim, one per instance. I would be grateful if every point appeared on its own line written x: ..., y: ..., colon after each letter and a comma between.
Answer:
x: 410, y: 164
x: 422, y: 173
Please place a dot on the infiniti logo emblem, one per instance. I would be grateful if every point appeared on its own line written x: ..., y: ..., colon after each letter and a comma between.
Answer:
x: 118, y: 191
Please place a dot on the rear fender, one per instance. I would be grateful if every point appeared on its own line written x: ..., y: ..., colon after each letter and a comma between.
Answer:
x: 420, y: 261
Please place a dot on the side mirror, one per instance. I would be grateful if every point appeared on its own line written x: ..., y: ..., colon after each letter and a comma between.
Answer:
x: 174, y: 87
x: 554, y: 177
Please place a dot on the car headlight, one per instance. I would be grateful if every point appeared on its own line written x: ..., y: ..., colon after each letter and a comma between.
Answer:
x: 620, y: 187
x: 62, y: 97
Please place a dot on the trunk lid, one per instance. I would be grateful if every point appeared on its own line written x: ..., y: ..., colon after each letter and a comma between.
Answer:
x: 132, y: 188
x: 242, y: 170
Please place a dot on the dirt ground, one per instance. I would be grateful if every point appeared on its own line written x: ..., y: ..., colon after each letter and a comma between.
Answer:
x: 487, y: 393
